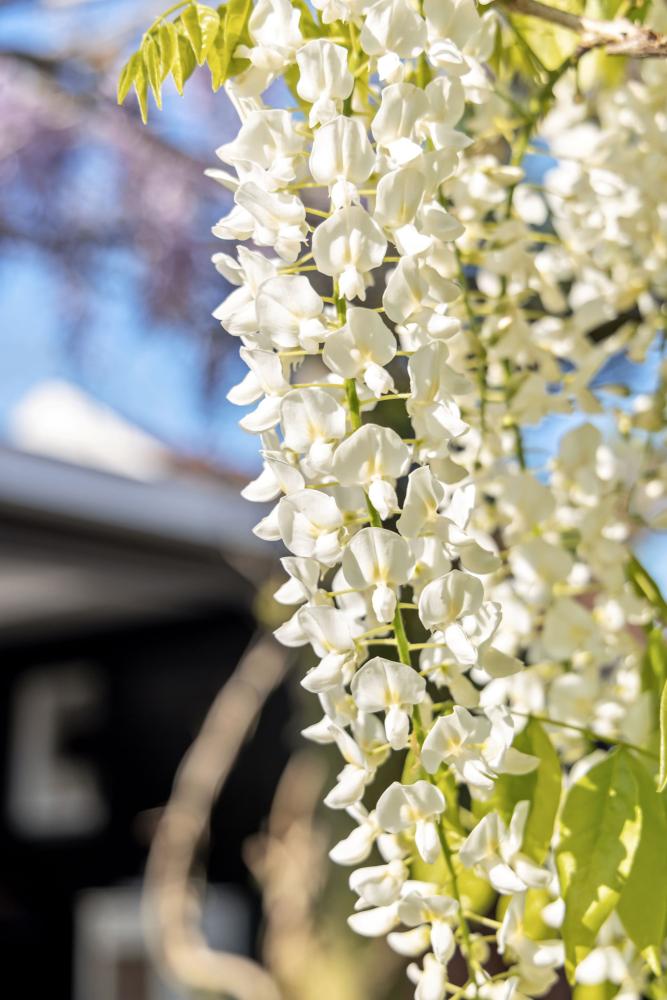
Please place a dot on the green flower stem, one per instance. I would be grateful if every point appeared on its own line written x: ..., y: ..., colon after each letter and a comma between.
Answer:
x: 401, y: 638
x: 466, y: 944
x: 398, y: 624
x: 473, y: 323
x: 165, y: 15
x: 403, y: 648
x: 585, y: 731
x: 477, y: 918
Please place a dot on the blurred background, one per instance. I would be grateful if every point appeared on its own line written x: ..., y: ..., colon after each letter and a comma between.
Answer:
x: 128, y: 570
x: 130, y: 580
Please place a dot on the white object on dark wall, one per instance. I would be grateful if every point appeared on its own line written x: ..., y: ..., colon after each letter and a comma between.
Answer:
x: 51, y: 793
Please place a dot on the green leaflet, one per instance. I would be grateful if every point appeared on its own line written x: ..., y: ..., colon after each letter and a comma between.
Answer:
x: 600, y: 991
x: 140, y: 82
x: 643, y: 903
x: 233, y: 31
x: 184, y: 63
x: 599, y: 835
x: 662, y: 771
x: 200, y: 34
x: 307, y: 23
x: 127, y: 76
x: 654, y: 663
x: 201, y: 26
x: 541, y: 787
x: 551, y: 44
x: 151, y: 53
x: 647, y: 588
x: 168, y: 42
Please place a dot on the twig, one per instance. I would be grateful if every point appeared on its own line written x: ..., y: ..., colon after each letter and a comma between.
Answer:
x: 618, y: 38
x: 171, y: 908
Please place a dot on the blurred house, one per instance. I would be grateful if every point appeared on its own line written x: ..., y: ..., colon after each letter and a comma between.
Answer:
x: 127, y: 583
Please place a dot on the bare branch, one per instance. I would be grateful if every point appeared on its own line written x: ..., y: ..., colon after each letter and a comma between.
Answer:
x: 172, y: 907
x: 618, y: 38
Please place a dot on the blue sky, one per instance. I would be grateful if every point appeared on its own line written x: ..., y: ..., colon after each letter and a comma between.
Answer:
x: 152, y: 376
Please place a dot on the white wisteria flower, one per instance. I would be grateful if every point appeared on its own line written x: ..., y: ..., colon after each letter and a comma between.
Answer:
x: 430, y: 980
x: 477, y: 748
x: 361, y: 348
x: 438, y: 911
x: 342, y: 158
x: 310, y: 524
x: 494, y: 851
x: 393, y: 688
x: 379, y: 560
x: 347, y: 247
x: 454, y: 604
x: 373, y: 457
x: 289, y: 312
x: 312, y: 422
x: 324, y: 79
x: 412, y: 299
x: 413, y: 807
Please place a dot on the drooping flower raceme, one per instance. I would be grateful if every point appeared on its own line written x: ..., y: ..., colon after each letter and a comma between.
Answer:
x: 407, y: 317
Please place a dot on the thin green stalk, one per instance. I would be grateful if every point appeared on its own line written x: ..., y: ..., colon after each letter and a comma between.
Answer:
x: 401, y: 638
x: 466, y: 944
x: 472, y: 319
x: 166, y: 13
x: 585, y: 731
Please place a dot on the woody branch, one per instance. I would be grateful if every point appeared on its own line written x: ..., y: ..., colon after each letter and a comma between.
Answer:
x: 619, y: 37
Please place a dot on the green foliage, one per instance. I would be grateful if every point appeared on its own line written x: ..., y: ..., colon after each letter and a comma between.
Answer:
x: 444, y: 780
x: 654, y: 665
x: 549, y: 44
x: 541, y: 787
x: 601, y: 826
x: 199, y: 35
x: 596, y: 991
x: 476, y: 893
x: 527, y: 51
x: 646, y: 587
x: 643, y: 903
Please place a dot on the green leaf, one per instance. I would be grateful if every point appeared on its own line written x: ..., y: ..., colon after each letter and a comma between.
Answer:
x: 236, y: 32
x: 168, y: 42
x: 201, y: 26
x: 184, y: 63
x: 476, y: 893
x: 654, y: 663
x: 643, y: 903
x: 127, y: 75
x: 606, y: 10
x: 218, y: 61
x: 662, y: 770
x: 151, y: 56
x: 541, y: 787
x: 598, y: 991
x: 646, y: 587
x: 599, y: 836
x: 549, y: 44
x: 307, y: 23
x: 141, y: 89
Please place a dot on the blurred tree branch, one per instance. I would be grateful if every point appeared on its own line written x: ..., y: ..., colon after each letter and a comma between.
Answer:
x: 93, y: 101
x: 619, y: 37
x: 172, y: 906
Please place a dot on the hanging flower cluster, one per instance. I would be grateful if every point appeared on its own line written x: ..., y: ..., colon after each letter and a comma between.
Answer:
x: 449, y: 592
x: 409, y: 305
